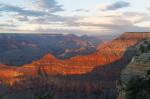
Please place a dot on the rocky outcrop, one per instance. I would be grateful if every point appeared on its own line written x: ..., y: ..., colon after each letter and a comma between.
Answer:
x: 138, y: 66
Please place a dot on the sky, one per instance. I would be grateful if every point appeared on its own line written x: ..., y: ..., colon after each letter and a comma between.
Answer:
x: 92, y: 17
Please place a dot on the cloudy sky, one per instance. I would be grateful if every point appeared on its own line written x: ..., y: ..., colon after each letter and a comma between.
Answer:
x: 93, y: 17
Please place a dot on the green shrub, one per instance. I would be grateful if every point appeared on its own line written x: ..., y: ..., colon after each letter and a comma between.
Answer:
x: 142, y: 48
x: 148, y: 47
x: 139, y: 87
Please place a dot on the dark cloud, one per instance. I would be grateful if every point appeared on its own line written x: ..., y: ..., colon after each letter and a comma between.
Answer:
x: 66, y: 20
x: 49, y: 5
x: 48, y: 19
x: 117, y: 5
x: 19, y: 10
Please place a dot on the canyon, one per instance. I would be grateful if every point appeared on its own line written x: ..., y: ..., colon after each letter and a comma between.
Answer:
x: 90, y: 74
x: 20, y: 49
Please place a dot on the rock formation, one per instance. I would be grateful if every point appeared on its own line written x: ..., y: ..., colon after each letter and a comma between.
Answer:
x: 138, y: 66
x: 92, y: 75
x: 106, y: 54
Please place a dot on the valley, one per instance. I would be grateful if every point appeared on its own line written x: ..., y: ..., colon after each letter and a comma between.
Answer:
x: 20, y: 49
x: 91, y: 75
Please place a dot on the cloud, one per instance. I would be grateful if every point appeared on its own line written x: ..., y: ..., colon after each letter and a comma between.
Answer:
x: 148, y: 8
x: 105, y: 22
x: 136, y: 17
x: 125, y: 21
x: 19, y: 10
x: 57, y: 19
x: 41, y: 17
x: 7, y: 25
x: 114, y: 6
x: 49, y: 5
x: 83, y: 10
x: 48, y: 19
x: 22, y: 18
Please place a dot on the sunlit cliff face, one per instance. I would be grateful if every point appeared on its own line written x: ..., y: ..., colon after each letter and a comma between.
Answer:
x: 9, y: 75
x: 107, y: 53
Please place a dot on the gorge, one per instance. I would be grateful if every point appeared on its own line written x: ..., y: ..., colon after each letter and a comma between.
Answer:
x: 91, y: 75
